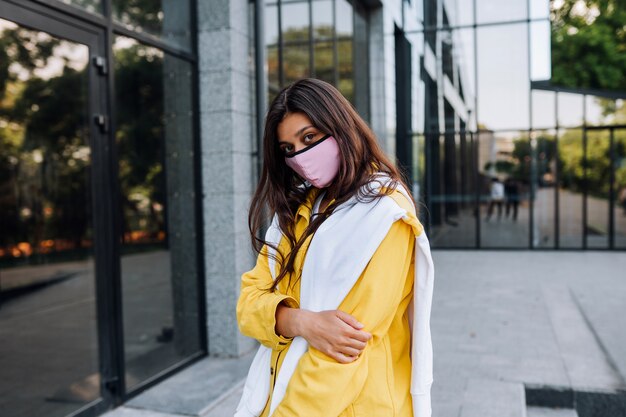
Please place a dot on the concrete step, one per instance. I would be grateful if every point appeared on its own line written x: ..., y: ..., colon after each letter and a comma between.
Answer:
x: 584, y: 358
x: 228, y: 405
x: 207, y: 388
x: 550, y: 412
x: 493, y: 398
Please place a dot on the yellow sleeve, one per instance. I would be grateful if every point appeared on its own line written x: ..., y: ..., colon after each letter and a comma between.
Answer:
x: 256, y: 307
x: 323, y: 387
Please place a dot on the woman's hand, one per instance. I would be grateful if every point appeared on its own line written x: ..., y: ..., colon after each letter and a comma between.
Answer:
x: 334, y: 333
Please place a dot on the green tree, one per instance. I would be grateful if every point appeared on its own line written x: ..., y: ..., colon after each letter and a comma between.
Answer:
x: 589, y: 44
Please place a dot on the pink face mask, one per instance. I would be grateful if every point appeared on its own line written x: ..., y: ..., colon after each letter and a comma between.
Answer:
x: 318, y: 163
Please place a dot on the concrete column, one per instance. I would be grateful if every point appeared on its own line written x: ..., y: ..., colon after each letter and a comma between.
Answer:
x: 226, y: 131
x: 377, y: 76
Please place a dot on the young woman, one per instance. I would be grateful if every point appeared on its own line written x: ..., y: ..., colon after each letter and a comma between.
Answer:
x: 332, y: 298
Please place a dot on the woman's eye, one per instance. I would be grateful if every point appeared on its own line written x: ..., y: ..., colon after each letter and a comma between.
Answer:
x: 309, y: 138
x: 287, y: 148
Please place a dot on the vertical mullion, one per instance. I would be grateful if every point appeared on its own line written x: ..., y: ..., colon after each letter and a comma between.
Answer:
x: 197, y: 163
x: 585, y: 183
x: 477, y: 138
x: 311, y: 41
x: 612, y: 189
x: 531, y: 138
x: 281, y: 73
x: 335, y: 56
x: 474, y: 141
x: 119, y: 363
x: 557, y: 178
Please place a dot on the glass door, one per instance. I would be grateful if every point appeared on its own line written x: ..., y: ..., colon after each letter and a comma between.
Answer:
x: 52, y: 262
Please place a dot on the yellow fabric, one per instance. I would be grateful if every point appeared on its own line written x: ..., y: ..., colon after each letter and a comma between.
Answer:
x: 378, y: 382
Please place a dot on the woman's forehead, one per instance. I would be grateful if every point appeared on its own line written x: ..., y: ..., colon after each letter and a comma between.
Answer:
x: 292, y: 125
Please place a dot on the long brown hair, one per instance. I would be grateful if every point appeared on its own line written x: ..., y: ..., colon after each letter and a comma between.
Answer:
x: 282, y: 190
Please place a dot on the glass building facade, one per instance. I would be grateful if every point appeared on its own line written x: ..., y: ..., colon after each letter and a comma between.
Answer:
x: 129, y: 138
x: 503, y: 157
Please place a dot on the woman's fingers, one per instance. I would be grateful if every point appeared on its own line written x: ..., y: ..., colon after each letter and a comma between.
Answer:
x: 355, y: 332
x: 359, y: 335
x: 349, y: 351
x: 349, y: 319
x: 342, y: 358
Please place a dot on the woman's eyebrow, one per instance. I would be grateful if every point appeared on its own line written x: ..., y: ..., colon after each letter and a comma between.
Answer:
x: 298, y: 133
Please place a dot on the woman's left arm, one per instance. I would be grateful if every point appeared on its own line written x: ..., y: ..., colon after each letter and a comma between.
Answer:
x: 323, y: 387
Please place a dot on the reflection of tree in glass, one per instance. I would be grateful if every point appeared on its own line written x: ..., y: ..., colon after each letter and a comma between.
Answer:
x: 90, y: 5
x: 296, y: 57
x: 589, y: 44
x: 571, y: 161
x: 598, y: 161
x: 139, y: 134
x: 146, y: 15
x: 44, y: 193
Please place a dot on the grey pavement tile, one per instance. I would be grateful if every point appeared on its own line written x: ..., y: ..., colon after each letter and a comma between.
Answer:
x: 492, y: 398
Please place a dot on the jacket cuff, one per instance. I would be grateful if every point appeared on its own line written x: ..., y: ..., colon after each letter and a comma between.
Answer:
x: 279, y: 341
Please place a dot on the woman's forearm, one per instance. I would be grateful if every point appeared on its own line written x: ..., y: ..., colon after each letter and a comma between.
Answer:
x: 290, y: 322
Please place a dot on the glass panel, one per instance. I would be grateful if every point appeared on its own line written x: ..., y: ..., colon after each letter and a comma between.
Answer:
x: 271, y: 25
x: 296, y: 62
x: 49, y: 349
x: 346, y: 76
x: 345, y: 26
x: 418, y: 169
x: 167, y: 19
x: 571, y: 108
x: 271, y: 40
x: 544, y: 179
x: 295, y: 21
x: 598, y: 183
x: 539, y: 9
x: 323, y: 19
x: 345, y: 34
x: 602, y: 111
x: 619, y: 208
x: 454, y: 223
x: 430, y: 23
x: 489, y: 11
x: 92, y: 6
x: 446, y: 53
x: 464, y: 14
x: 361, y: 73
x: 543, y: 109
x: 324, y: 67
x: 272, y: 70
x: 434, y: 184
x: 159, y: 261
x: 540, y: 58
x: 571, y: 187
x: 463, y: 53
x: 503, y: 79
x: 504, y: 169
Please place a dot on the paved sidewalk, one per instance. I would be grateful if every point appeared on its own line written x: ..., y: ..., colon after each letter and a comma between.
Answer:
x: 503, y: 322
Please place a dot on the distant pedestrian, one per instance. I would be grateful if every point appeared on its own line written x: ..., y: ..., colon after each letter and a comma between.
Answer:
x: 326, y: 319
x: 496, y: 197
x: 512, y: 197
x: 622, y: 199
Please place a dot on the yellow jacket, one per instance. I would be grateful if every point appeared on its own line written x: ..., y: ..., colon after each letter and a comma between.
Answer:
x: 378, y: 382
